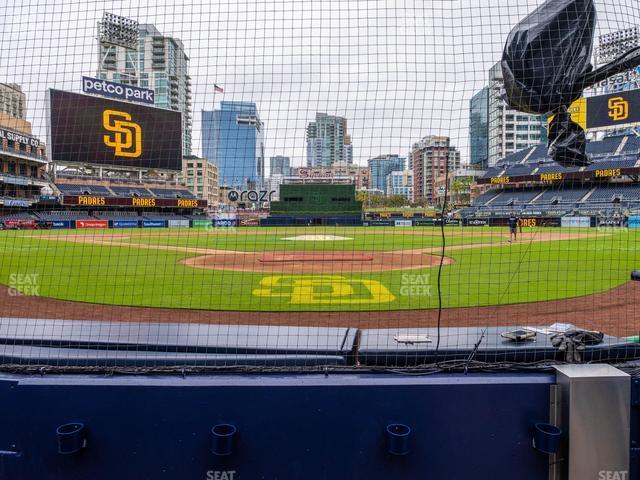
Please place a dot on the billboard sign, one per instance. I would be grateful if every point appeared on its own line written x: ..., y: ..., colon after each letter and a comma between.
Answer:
x: 154, y: 223
x: 124, y: 224
x: 619, y: 81
x: 250, y: 221
x: 611, y: 222
x: 19, y: 223
x: 250, y: 195
x: 634, y: 221
x: 59, y: 224
x: 576, y: 222
x: 602, y: 111
x: 10, y: 202
x: 18, y: 138
x: 447, y: 221
x: 137, y: 202
x: 84, y: 224
x: 87, y: 129
x: 226, y: 222
x: 200, y: 223
x: 403, y: 223
x: 476, y: 222
x: 178, y: 223
x: 119, y: 91
x: 427, y: 222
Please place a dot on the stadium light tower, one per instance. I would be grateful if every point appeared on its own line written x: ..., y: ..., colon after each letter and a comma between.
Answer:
x: 116, y: 31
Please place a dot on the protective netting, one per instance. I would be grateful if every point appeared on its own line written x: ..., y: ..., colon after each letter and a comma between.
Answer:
x: 280, y: 184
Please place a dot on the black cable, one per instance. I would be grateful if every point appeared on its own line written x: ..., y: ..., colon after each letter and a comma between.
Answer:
x: 442, y: 221
x: 474, y: 351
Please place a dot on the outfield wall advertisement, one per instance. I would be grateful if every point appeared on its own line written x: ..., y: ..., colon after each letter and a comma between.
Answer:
x: 476, y: 222
x: 225, y: 222
x: 154, y: 224
x: 84, y: 224
x: 634, y: 221
x: 124, y: 224
x: 576, y: 222
x: 611, y: 222
x: 88, y: 129
x: 200, y: 223
x: 403, y: 223
x: 19, y: 223
x: 178, y: 224
x: 61, y: 224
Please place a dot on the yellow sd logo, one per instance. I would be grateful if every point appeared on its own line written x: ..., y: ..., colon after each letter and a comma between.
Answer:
x: 618, y: 108
x: 324, y: 289
x: 127, y: 135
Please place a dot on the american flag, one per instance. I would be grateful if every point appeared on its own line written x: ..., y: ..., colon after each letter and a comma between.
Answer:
x: 218, y: 88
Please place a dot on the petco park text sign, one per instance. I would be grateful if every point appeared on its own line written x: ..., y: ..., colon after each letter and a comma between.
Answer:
x: 97, y: 201
x: 117, y: 90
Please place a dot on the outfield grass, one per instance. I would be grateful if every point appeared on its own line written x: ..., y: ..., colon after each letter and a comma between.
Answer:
x: 489, y: 275
x: 274, y: 239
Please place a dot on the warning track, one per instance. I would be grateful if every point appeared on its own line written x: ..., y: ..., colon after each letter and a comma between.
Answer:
x: 614, y: 311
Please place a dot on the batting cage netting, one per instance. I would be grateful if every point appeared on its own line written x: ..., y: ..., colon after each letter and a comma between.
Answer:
x: 275, y: 184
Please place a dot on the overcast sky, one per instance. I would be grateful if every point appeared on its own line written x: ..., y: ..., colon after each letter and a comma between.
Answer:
x: 397, y: 70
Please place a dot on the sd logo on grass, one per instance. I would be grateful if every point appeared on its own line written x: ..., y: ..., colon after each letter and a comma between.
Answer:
x: 323, y: 289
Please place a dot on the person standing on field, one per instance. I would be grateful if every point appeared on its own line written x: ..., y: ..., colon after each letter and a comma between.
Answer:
x: 514, y: 221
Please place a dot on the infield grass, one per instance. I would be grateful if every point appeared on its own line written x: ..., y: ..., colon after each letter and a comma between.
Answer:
x: 489, y: 275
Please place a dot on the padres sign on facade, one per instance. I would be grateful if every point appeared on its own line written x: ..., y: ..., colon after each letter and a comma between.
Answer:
x: 126, y: 136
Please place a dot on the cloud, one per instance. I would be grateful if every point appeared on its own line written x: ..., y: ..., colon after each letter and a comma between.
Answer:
x: 397, y: 70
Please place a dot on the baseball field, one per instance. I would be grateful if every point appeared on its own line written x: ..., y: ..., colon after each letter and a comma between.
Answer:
x: 327, y: 275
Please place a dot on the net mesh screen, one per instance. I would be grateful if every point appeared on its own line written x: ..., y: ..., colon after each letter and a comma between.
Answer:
x: 329, y: 184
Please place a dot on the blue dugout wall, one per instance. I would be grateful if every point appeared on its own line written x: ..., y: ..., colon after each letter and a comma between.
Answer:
x: 289, y: 427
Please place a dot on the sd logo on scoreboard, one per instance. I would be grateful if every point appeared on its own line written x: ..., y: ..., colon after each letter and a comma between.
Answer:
x: 606, y: 111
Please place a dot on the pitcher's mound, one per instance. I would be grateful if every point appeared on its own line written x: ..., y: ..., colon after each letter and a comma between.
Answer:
x: 325, y: 256
x: 315, y: 262
x: 316, y: 238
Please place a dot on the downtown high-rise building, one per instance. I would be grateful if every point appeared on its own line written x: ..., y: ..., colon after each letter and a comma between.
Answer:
x: 232, y: 138
x: 479, y: 129
x: 279, y: 165
x: 431, y: 157
x: 381, y: 166
x: 401, y: 183
x: 13, y: 108
x: 328, y: 141
x: 13, y: 100
x: 508, y: 130
x: 157, y: 62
